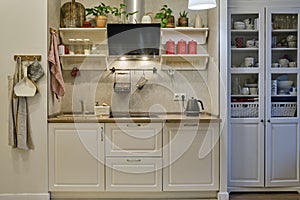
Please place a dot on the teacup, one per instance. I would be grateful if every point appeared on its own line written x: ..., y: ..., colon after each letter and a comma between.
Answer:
x: 284, y: 62
x: 245, y: 90
x: 253, y: 91
x: 249, y: 61
x: 250, y: 43
x: 292, y: 64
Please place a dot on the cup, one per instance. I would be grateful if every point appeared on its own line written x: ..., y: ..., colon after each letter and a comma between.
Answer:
x: 253, y: 91
x: 284, y: 62
x: 249, y: 61
x: 256, y: 43
x: 292, y: 64
x: 239, y: 42
x: 245, y: 91
x: 276, y: 65
x: 256, y: 23
x: 250, y: 43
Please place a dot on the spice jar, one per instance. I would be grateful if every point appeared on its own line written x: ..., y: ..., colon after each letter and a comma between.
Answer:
x: 78, y: 46
x: 71, y: 46
x: 86, y: 46
x: 170, y: 47
x: 192, y: 47
x: 181, y: 47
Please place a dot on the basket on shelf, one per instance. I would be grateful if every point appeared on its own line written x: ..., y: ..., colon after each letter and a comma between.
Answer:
x: 244, y: 110
x: 283, y: 109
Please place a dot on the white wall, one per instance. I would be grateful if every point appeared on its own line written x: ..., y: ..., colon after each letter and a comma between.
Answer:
x: 23, y: 31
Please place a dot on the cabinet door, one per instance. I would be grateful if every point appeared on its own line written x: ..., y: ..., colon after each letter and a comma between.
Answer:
x: 191, y: 157
x: 282, y: 154
x: 76, y: 154
x: 131, y: 139
x: 246, y: 155
x: 133, y: 174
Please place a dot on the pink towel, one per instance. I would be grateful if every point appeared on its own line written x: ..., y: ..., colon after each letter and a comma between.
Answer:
x: 57, y: 81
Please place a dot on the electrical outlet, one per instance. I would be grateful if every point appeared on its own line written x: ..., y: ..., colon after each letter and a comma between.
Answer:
x: 178, y: 96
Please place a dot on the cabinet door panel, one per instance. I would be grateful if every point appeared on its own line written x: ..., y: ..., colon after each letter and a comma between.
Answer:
x: 282, y: 155
x: 73, y: 158
x: 133, y: 174
x: 246, y: 165
x: 186, y: 166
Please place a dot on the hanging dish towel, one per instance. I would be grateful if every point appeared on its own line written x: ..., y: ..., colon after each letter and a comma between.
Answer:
x: 19, y: 126
x: 57, y: 81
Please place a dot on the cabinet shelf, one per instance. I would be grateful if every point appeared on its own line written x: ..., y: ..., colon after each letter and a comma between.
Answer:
x: 285, y: 70
x: 284, y: 49
x: 244, y: 31
x: 284, y: 30
x: 244, y: 49
x: 184, y: 61
x: 245, y: 70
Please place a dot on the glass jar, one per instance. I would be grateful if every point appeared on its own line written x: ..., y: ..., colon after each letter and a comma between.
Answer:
x: 86, y: 46
x: 78, y: 46
x: 71, y: 46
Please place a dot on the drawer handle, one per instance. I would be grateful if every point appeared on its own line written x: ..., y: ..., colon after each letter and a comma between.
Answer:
x: 133, y: 160
x: 133, y: 125
x: 190, y: 125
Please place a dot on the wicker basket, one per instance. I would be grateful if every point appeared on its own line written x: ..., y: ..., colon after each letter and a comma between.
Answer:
x: 283, y: 109
x: 244, y: 110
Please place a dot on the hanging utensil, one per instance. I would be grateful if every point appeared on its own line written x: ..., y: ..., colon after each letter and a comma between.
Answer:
x: 72, y: 15
x: 25, y: 87
x: 142, y: 81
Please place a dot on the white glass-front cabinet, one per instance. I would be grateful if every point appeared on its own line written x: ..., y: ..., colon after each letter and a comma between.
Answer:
x: 264, y: 77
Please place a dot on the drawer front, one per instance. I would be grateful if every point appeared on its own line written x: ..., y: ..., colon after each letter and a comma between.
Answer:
x: 131, y: 139
x: 133, y: 174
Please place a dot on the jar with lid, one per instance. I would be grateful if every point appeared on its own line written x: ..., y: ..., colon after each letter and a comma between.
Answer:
x: 181, y: 47
x: 71, y: 46
x: 86, y: 46
x: 78, y: 46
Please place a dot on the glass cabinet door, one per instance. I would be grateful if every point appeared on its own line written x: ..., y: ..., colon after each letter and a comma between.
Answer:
x: 282, y: 62
x: 246, y: 62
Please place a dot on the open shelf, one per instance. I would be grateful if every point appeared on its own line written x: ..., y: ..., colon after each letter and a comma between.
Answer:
x: 96, y: 35
x: 184, y: 61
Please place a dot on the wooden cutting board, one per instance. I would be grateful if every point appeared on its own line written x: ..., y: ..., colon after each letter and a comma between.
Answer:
x: 72, y: 11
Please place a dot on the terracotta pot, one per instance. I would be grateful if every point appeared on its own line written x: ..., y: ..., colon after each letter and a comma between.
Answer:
x: 101, y: 21
x: 183, y: 21
x: 171, y: 22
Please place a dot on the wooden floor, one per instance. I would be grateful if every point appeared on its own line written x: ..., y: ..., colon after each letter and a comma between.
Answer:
x: 265, y: 196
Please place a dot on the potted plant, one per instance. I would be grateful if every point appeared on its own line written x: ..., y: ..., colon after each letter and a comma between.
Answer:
x: 121, y: 13
x: 101, y: 11
x: 183, y: 20
x: 167, y: 19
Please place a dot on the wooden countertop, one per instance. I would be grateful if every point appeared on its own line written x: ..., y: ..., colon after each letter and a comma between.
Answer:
x: 156, y: 118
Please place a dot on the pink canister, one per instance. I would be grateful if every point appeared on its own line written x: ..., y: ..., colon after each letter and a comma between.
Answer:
x: 181, y: 47
x: 192, y: 47
x: 170, y: 47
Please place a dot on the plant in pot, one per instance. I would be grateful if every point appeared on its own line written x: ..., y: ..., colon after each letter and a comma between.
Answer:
x: 183, y: 20
x: 167, y: 19
x: 101, y: 11
x: 121, y: 13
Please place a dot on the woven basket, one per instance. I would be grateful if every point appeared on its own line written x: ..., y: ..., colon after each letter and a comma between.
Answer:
x: 244, y: 110
x: 283, y: 109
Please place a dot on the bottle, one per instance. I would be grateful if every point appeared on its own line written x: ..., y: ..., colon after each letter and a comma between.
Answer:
x: 61, y: 49
x: 198, y: 22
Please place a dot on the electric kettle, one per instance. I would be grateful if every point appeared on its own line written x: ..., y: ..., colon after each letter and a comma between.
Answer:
x: 192, y: 107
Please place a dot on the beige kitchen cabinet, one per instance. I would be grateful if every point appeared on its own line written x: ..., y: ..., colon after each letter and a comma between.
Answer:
x: 133, y: 156
x: 76, y: 156
x: 191, y: 157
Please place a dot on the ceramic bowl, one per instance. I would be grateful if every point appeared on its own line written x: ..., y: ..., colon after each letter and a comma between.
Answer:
x: 239, y: 25
x: 292, y: 44
x: 285, y: 85
x: 291, y: 38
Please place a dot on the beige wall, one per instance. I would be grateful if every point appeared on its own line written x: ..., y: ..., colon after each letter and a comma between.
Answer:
x: 23, y: 31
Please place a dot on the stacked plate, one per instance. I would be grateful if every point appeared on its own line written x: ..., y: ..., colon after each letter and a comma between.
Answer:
x: 239, y: 25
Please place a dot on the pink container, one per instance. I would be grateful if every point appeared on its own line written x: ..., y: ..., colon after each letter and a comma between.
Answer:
x: 181, y: 47
x: 192, y: 47
x: 170, y: 47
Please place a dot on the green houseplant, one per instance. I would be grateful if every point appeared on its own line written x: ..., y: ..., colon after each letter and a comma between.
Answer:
x: 100, y: 12
x: 167, y: 19
x: 183, y: 20
x: 121, y: 13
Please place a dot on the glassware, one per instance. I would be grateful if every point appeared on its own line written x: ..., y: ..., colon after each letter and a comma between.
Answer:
x: 288, y: 22
x: 236, y: 87
x: 86, y: 46
x: 71, y: 46
x: 78, y: 46
x: 294, y: 22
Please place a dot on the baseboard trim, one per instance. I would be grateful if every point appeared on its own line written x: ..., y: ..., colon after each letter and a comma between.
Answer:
x: 25, y: 196
x: 223, y: 196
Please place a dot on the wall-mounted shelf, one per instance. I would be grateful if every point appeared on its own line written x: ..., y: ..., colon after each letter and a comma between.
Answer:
x: 84, y: 62
x: 96, y: 35
x: 184, y: 61
x: 187, y: 33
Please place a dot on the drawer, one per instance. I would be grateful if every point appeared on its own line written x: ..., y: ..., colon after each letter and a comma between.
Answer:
x: 131, y: 139
x: 133, y: 174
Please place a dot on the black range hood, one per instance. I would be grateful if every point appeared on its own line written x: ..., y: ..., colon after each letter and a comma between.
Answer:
x: 133, y: 40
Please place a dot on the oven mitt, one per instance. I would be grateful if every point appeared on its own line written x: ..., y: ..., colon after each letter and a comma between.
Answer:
x: 35, y: 71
